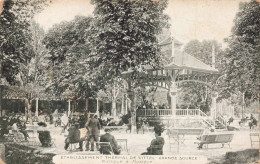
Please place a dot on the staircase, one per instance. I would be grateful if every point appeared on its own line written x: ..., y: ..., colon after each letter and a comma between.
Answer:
x: 220, y: 122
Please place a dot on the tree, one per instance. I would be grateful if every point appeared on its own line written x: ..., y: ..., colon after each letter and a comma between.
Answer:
x: 242, y: 60
x: 124, y: 36
x: 69, y: 48
x: 30, y: 81
x: 17, y: 48
x: 15, y: 35
x: 113, y: 92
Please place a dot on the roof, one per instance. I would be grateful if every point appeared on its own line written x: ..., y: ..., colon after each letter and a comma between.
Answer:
x: 186, y: 61
x: 181, y: 60
x: 169, y: 41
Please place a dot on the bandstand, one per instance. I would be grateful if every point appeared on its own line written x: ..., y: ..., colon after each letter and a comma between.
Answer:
x: 181, y: 68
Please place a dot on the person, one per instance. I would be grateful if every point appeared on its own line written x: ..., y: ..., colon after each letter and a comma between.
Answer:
x: 129, y: 125
x: 252, y: 122
x: 111, y: 139
x: 93, y: 127
x: 4, y: 126
x: 100, y: 121
x: 230, y: 120
x: 139, y: 124
x: 82, y: 121
x: 58, y: 122
x: 21, y: 126
x: 156, y: 146
x: 73, y: 137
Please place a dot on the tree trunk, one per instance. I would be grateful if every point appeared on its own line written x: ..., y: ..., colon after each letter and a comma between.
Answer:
x: 113, y: 108
x: 122, y: 105
x: 243, y: 104
x: 28, y: 104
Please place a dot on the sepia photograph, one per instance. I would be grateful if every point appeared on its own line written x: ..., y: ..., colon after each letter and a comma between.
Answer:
x: 129, y: 81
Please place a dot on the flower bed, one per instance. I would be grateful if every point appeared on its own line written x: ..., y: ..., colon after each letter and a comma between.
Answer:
x: 19, y: 154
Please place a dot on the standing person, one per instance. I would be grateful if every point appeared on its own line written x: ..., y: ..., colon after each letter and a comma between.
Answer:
x: 93, y: 127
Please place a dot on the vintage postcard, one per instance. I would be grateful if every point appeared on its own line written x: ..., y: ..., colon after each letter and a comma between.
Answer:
x: 129, y: 81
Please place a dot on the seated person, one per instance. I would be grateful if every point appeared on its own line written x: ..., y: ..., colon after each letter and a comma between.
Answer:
x: 252, y: 122
x: 21, y: 126
x: 111, y: 139
x: 74, y: 137
x: 156, y: 147
x: 230, y: 120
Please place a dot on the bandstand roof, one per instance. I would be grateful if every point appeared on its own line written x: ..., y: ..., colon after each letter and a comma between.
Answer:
x: 186, y: 61
x: 183, y: 60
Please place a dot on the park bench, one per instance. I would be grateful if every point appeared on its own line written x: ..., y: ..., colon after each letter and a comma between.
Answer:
x: 113, y: 128
x: 215, y: 138
x: 177, y: 135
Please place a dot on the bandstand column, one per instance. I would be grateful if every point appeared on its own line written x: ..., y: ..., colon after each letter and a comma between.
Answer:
x: 36, y: 107
x: 173, y: 94
x: 97, y: 111
x: 213, y: 112
x: 68, y: 107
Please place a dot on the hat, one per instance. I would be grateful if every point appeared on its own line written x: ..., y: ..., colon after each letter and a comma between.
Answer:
x: 107, y: 130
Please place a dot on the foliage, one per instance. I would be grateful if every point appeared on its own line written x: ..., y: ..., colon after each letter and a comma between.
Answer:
x: 69, y: 72
x: 124, y: 36
x: 15, y: 34
x: 195, y: 94
x: 146, y: 96
x: 242, y: 55
x: 22, y: 154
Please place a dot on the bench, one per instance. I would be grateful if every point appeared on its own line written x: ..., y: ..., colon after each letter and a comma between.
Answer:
x: 214, y: 139
x: 177, y: 135
x: 185, y: 131
x: 115, y: 127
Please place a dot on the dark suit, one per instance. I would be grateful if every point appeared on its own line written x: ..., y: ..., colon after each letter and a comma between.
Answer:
x: 156, y: 147
x: 111, y: 139
x: 93, y: 127
x: 73, y: 137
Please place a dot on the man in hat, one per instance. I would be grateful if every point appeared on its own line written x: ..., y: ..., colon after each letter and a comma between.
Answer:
x: 111, y: 139
x: 93, y: 127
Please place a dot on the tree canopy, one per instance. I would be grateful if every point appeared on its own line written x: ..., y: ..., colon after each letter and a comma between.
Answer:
x: 242, y: 60
x: 69, y: 48
x: 124, y: 35
x: 15, y: 34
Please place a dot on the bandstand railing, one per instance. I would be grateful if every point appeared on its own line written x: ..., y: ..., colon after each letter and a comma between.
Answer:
x: 169, y: 112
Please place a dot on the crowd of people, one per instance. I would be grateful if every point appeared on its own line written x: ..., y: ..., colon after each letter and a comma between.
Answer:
x: 13, y: 122
x: 93, y: 126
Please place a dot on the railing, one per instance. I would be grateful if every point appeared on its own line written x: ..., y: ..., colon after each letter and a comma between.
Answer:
x: 168, y: 112
x: 221, y: 120
x: 190, y: 112
x: 178, y: 112
x: 154, y: 112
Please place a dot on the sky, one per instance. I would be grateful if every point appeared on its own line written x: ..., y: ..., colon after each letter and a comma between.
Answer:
x: 189, y: 19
